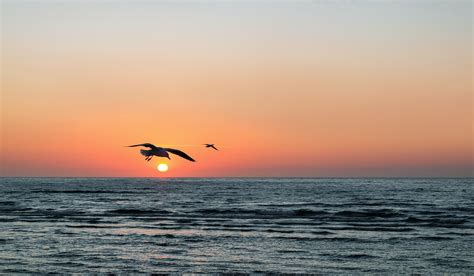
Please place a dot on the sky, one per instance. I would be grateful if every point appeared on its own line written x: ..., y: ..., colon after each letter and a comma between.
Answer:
x: 283, y: 88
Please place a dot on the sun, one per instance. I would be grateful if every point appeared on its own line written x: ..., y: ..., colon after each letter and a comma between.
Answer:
x: 162, y: 167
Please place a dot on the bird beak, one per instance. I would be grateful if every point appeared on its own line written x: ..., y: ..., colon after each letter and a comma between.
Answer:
x: 168, y: 157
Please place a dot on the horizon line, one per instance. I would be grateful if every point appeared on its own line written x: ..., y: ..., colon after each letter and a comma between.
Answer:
x: 269, y: 177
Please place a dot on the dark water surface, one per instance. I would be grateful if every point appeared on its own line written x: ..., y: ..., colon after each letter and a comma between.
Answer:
x: 238, y: 225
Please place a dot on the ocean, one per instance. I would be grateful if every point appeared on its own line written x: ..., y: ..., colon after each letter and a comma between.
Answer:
x: 250, y: 225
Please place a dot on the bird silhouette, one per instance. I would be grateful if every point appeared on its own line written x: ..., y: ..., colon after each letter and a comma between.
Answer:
x: 210, y: 146
x: 160, y: 152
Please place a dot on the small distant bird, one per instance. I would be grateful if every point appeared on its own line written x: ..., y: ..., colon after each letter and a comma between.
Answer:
x: 210, y: 146
x: 160, y: 152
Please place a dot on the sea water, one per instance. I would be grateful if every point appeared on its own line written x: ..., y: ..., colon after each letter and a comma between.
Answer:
x: 293, y: 225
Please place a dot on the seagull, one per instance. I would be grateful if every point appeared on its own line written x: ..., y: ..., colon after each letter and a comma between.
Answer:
x: 210, y: 146
x: 160, y: 152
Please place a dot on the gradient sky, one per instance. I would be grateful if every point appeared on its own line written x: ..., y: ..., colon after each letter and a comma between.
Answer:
x: 286, y: 88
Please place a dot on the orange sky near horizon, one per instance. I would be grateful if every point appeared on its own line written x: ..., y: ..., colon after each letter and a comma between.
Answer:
x: 284, y: 89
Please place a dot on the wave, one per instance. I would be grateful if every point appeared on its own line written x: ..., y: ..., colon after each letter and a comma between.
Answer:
x: 49, y: 213
x: 462, y: 209
x: 84, y: 192
x: 457, y: 233
x: 263, y: 213
x: 12, y: 206
x: 322, y: 232
x: 279, y: 231
x: 138, y: 212
x: 89, y: 226
x: 434, y: 238
x: 370, y: 228
x: 437, y: 221
x: 370, y: 213
x: 338, y: 239
x: 358, y: 256
x: 3, y: 241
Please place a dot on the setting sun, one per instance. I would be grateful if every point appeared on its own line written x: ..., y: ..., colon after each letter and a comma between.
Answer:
x: 162, y: 167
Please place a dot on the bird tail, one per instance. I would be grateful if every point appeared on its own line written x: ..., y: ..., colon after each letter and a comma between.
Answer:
x: 145, y: 152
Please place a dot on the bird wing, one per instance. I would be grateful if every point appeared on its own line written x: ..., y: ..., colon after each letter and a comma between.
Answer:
x: 148, y: 145
x: 214, y: 147
x: 179, y: 153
